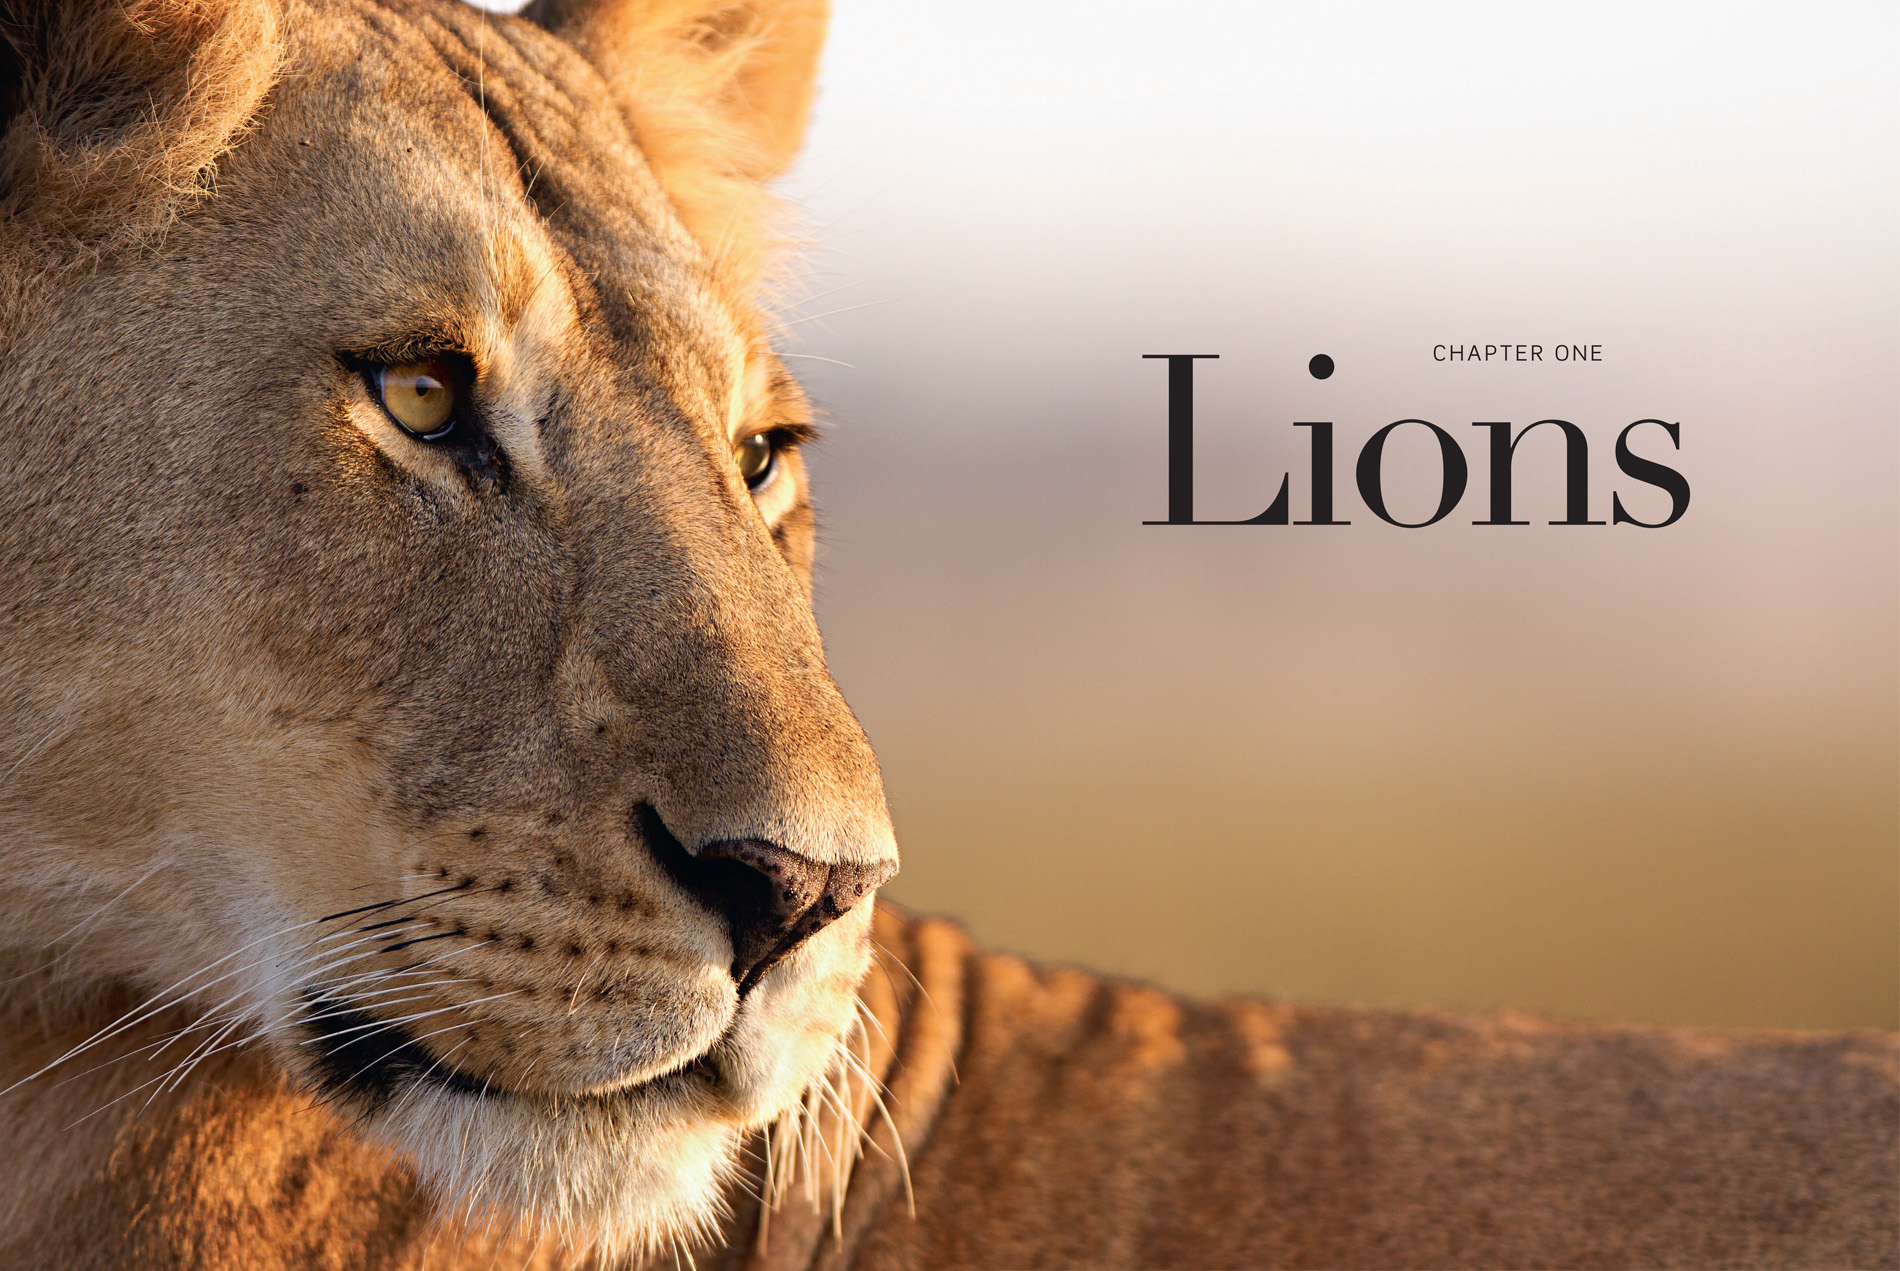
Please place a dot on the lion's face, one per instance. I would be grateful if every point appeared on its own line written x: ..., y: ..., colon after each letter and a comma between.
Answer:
x: 412, y: 555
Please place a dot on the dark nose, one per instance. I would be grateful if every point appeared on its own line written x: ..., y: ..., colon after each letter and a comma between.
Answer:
x: 773, y: 899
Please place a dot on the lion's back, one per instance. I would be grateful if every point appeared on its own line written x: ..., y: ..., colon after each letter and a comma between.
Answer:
x: 1102, y: 1122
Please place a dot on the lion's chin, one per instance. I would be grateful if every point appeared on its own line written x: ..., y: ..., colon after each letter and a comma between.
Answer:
x: 627, y: 1175
x: 627, y: 1171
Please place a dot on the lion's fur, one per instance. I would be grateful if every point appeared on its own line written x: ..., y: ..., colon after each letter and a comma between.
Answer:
x: 110, y: 141
x: 271, y: 670
x: 1052, y: 1118
x: 280, y: 678
x: 716, y: 120
x: 1101, y: 1123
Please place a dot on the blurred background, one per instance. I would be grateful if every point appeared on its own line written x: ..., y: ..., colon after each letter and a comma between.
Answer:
x: 1603, y: 772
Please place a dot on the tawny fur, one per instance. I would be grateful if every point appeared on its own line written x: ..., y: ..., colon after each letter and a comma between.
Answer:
x: 308, y: 719
x: 1052, y: 1118
x: 283, y: 689
x: 110, y: 140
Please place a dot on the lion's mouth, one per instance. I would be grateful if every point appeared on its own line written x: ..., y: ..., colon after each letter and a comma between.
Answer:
x: 371, y: 1061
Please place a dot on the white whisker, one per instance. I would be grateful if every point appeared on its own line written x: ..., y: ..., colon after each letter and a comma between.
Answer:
x: 383, y: 1025
x: 830, y: 313
x: 813, y: 357
x: 81, y: 925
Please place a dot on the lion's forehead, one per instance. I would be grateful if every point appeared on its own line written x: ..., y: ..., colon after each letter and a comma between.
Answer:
x: 507, y: 195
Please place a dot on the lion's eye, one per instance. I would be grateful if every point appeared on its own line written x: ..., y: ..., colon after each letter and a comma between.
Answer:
x: 756, y: 457
x: 420, y: 396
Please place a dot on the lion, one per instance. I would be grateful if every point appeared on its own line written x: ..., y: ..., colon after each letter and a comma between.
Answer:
x: 432, y: 835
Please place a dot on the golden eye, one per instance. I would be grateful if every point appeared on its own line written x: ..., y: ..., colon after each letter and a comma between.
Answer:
x: 420, y: 396
x: 756, y: 457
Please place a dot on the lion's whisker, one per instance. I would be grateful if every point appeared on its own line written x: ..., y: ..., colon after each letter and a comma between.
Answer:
x: 792, y: 305
x: 183, y: 1069
x: 390, y: 904
x: 155, y: 1047
x: 813, y: 357
x: 867, y: 1016
x: 416, y: 1041
x: 305, y: 961
x: 135, y: 1089
x: 289, y: 1025
x: 573, y: 999
x: 213, y: 1017
x: 383, y: 1025
x: 417, y: 966
x: 424, y: 991
x: 163, y: 1000
x: 830, y: 313
x: 81, y: 925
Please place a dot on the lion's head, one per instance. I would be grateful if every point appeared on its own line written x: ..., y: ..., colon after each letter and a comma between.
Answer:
x: 408, y: 654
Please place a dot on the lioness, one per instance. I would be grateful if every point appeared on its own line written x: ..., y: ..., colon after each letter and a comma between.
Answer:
x: 431, y: 834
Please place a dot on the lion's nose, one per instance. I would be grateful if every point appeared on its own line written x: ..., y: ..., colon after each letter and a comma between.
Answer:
x: 773, y: 899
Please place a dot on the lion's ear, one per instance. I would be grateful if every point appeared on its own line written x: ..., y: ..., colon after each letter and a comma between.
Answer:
x: 115, y: 110
x: 717, y: 91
